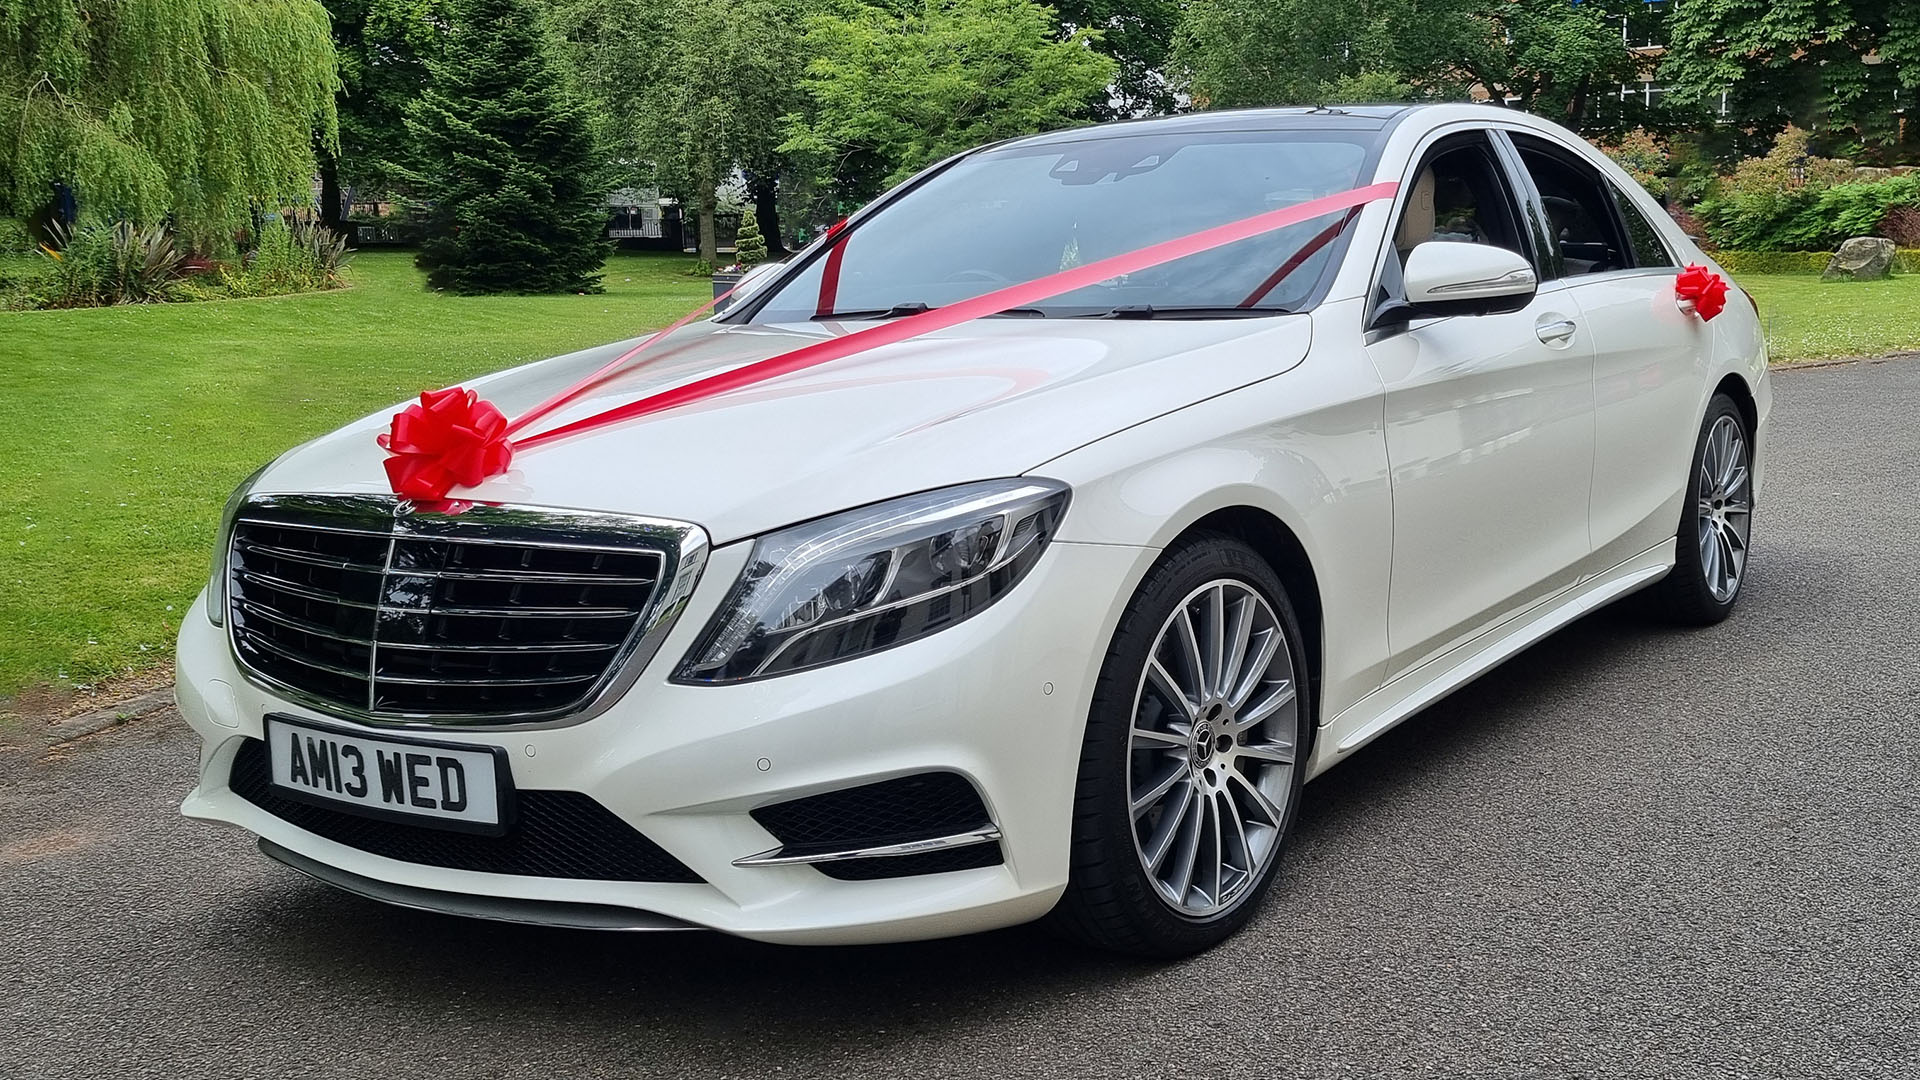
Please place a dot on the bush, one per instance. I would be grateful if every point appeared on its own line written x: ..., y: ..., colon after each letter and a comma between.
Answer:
x: 1773, y: 262
x: 1848, y: 210
x: 1765, y: 194
x: 14, y: 238
x: 288, y: 259
x: 1643, y: 159
x: 111, y: 264
x: 750, y: 248
x: 1905, y: 261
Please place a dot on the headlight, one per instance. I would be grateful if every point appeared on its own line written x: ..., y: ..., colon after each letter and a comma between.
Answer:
x: 876, y: 577
x: 217, y: 584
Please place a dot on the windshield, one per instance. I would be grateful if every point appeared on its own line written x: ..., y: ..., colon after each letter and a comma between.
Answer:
x: 1015, y: 214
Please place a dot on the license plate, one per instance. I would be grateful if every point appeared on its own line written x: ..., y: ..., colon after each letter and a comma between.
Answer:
x: 443, y: 785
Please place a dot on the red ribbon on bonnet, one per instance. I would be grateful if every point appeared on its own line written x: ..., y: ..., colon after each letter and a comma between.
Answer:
x: 1706, y: 289
x: 453, y: 439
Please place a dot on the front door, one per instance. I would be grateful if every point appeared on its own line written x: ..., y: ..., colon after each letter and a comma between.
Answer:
x: 1489, y: 426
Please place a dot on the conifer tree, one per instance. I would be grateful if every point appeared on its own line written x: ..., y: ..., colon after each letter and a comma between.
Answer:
x: 749, y: 246
x: 507, y: 160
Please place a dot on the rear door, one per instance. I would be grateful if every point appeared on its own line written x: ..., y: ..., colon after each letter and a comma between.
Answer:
x: 1489, y: 422
x: 1651, y: 359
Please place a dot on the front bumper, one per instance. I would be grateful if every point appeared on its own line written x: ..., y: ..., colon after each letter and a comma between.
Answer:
x: 1000, y: 699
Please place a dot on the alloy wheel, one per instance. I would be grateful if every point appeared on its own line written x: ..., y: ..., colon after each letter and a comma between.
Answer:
x: 1212, y: 750
x: 1726, y: 508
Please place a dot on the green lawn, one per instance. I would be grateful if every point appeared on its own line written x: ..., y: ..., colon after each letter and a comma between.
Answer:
x: 126, y: 427
x: 1810, y: 319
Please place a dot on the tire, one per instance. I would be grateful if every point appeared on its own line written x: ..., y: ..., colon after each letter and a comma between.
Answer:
x: 1237, y: 793
x: 1715, y: 523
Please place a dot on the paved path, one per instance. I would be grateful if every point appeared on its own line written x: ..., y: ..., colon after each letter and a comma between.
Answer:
x: 1632, y: 852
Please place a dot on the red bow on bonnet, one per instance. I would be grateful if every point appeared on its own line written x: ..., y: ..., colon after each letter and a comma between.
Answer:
x: 450, y: 439
x: 1706, y: 289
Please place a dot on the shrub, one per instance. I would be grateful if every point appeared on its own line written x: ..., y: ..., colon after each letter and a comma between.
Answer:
x: 1905, y: 261
x: 1766, y: 193
x: 1902, y: 226
x: 14, y: 238
x: 1847, y: 210
x: 293, y: 258
x: 1773, y: 262
x: 1643, y: 158
x: 111, y: 264
x: 750, y: 248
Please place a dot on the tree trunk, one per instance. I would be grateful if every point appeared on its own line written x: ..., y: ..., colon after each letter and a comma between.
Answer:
x: 1577, y: 104
x: 766, y: 208
x: 330, y: 209
x: 709, y: 205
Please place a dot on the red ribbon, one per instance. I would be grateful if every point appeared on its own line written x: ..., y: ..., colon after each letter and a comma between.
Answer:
x: 450, y: 438
x: 449, y: 456
x: 1706, y: 289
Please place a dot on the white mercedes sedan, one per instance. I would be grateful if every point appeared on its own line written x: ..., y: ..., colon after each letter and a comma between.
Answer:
x: 1048, y: 613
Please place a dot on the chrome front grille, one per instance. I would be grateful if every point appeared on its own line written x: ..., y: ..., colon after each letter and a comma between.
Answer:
x: 495, y: 616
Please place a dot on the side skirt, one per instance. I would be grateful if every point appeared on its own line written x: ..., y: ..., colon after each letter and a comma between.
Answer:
x: 1371, y: 716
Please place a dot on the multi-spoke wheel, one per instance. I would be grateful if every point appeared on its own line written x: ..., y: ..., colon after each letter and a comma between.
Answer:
x: 1724, y: 507
x: 1212, y: 747
x: 1715, y: 522
x: 1193, y: 758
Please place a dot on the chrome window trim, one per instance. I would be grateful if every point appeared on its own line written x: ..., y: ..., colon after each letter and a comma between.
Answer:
x: 683, y: 548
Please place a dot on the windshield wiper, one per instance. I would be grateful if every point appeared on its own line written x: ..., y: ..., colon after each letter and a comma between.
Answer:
x: 897, y: 311
x: 1194, y: 311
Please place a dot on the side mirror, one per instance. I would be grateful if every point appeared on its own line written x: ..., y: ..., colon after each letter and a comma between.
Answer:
x: 749, y: 282
x: 1446, y: 278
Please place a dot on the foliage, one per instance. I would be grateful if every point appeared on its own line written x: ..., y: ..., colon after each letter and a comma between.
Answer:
x: 111, y: 264
x: 696, y: 87
x: 1765, y: 193
x: 508, y: 160
x: 1138, y: 35
x: 384, y: 47
x: 107, y: 523
x: 14, y: 238
x: 303, y: 257
x: 190, y: 110
x: 1741, y: 263
x: 1831, y: 64
x: 1644, y: 159
x: 100, y: 265
x: 889, y: 92
x: 1847, y: 210
x: 1549, y: 56
x: 750, y: 248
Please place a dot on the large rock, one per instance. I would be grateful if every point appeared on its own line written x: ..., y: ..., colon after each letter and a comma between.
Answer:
x: 1863, y: 258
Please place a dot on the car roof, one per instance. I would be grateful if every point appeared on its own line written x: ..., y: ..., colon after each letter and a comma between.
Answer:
x: 1361, y: 117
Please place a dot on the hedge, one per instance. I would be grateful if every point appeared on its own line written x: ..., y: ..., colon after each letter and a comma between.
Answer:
x: 1905, y: 261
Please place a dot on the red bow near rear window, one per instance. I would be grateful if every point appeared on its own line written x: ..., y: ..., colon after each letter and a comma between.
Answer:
x: 1706, y: 289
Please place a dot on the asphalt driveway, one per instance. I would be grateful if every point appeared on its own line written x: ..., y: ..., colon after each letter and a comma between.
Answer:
x: 1631, y: 852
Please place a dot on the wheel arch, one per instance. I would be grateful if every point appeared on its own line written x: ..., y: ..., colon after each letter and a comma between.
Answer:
x: 1275, y: 542
x: 1734, y: 385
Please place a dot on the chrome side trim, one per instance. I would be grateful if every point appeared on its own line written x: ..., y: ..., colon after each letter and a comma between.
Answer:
x: 555, y: 913
x: 781, y: 857
x: 682, y: 547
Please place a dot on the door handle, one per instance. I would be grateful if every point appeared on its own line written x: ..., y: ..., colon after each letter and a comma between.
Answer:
x: 1557, y: 332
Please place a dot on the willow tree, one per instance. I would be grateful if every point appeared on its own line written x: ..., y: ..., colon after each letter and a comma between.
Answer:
x: 201, y: 111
